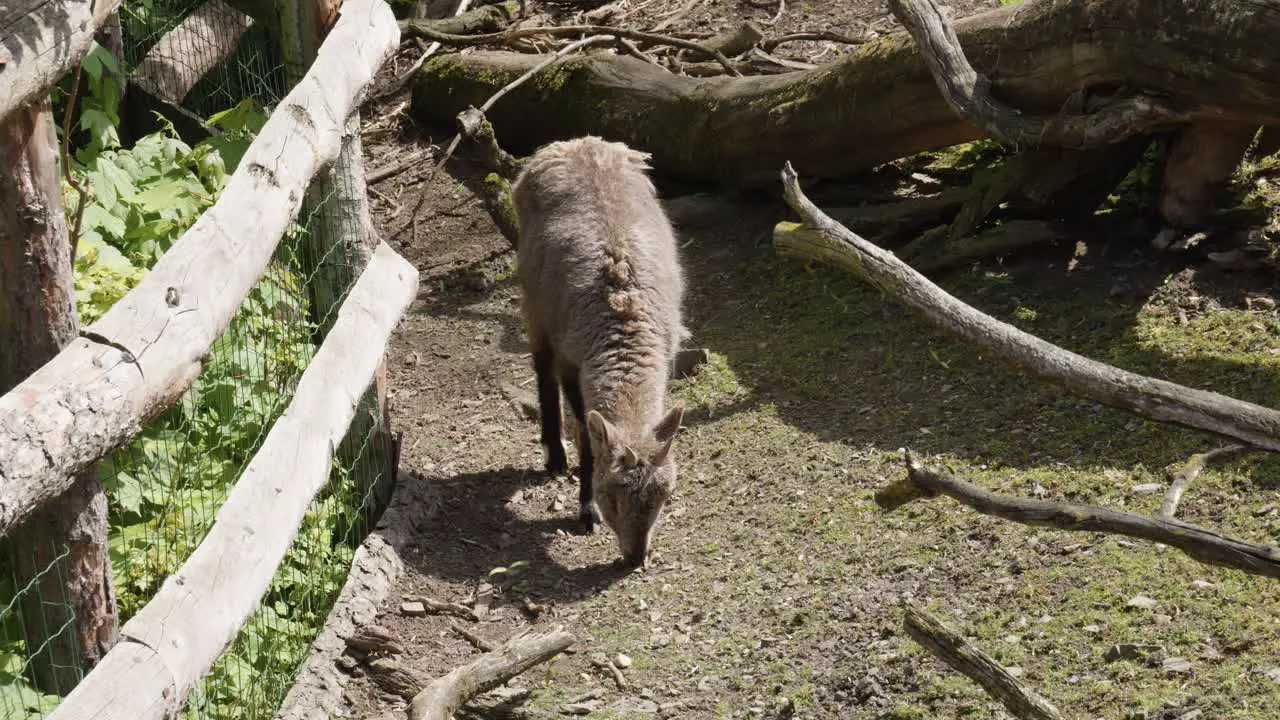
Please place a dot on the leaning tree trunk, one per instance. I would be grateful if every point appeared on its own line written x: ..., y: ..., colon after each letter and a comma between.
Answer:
x: 60, y: 553
x: 1211, y: 58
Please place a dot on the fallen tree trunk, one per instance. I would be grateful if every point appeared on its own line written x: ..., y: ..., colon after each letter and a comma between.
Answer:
x: 1207, y: 58
x: 824, y: 239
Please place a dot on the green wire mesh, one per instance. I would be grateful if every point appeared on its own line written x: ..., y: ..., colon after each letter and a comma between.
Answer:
x: 165, y: 488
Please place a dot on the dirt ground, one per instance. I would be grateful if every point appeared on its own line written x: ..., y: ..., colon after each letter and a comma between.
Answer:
x: 777, y: 586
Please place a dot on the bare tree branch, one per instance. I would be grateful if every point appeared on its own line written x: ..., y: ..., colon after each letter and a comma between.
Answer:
x: 1145, y: 396
x: 947, y: 645
x: 442, y: 698
x: 1207, y: 546
x: 968, y: 93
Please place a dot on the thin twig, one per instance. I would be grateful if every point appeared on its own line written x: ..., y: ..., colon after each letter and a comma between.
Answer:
x: 1195, y: 465
x: 480, y: 643
x: 447, y: 608
x: 561, y: 31
x: 431, y: 50
x: 559, y: 54
x: 82, y: 193
x: 382, y: 173
x: 607, y: 665
x: 769, y: 44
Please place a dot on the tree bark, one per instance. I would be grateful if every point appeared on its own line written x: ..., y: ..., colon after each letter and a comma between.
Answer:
x: 1206, y: 58
x: 70, y: 611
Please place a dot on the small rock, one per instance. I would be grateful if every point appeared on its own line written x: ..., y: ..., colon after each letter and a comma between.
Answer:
x: 1272, y: 674
x: 1202, y: 585
x: 346, y: 663
x: 622, y: 660
x: 413, y: 609
x: 639, y: 706
x: 582, y: 708
x: 1176, y: 664
x: 1015, y: 671
x: 1131, y: 651
x: 1146, y: 489
x: 1141, y: 602
x: 1161, y: 619
x: 867, y: 688
x: 558, y: 504
x: 704, y: 685
x: 1192, y: 715
x: 1091, y: 629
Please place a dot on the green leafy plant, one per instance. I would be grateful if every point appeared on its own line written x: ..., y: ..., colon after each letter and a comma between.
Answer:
x: 165, y: 488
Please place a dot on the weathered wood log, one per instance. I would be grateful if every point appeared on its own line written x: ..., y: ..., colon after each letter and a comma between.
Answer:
x: 200, y: 609
x: 41, y: 41
x: 1144, y: 396
x: 195, y: 46
x: 1208, y: 58
x: 484, y: 19
x: 60, y: 554
x: 442, y: 698
x: 138, y: 359
x: 1206, y: 546
x: 969, y: 93
x: 948, y: 646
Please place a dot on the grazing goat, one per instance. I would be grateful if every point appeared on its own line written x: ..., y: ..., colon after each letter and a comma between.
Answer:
x: 603, y: 289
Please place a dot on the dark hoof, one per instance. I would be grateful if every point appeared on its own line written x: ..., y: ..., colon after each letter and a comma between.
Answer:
x: 557, y: 461
x: 587, y: 519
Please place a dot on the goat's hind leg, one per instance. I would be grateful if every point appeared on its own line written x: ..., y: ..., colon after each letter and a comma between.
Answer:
x: 549, y: 407
x: 586, y: 507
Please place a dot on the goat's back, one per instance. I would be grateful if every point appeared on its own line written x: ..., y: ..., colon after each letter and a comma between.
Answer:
x: 597, y: 255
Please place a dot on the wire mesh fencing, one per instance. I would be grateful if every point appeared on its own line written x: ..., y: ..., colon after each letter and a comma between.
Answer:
x: 165, y: 488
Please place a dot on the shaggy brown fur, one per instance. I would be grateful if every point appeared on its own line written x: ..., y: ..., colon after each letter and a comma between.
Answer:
x: 603, y: 289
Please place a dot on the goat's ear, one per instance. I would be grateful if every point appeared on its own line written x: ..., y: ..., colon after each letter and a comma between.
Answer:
x: 665, y: 432
x: 599, y: 430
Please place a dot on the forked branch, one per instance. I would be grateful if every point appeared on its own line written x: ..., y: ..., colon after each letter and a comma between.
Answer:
x: 1191, y: 471
x: 1145, y: 396
x: 442, y: 698
x: 948, y: 646
x: 968, y: 93
x: 1206, y: 546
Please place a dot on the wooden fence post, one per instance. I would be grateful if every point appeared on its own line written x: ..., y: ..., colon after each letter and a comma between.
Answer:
x: 342, y: 239
x: 70, y: 612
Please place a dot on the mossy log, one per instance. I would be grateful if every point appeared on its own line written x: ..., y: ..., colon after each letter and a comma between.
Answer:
x: 1207, y: 58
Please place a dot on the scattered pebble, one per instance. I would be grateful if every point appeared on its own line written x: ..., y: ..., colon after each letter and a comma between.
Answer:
x: 1146, y: 489
x: 1141, y: 602
x: 622, y: 660
x: 413, y: 609
x: 1202, y: 584
x: 1176, y: 665
x: 1131, y: 651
